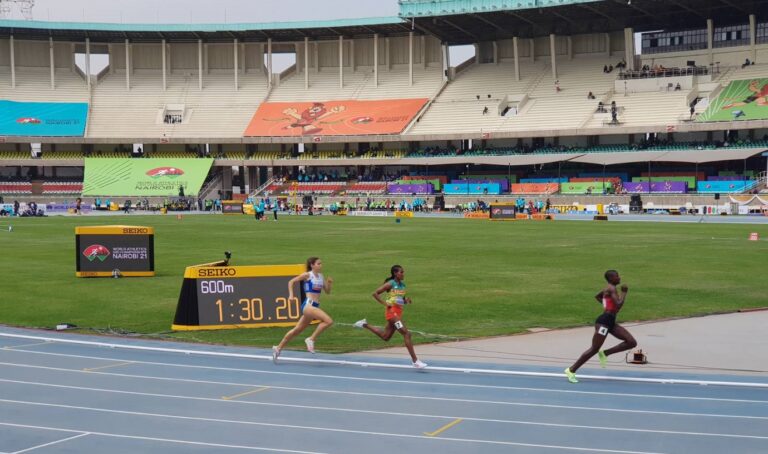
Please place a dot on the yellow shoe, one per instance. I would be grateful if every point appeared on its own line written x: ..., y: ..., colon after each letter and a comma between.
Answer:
x: 603, y: 358
x: 571, y: 376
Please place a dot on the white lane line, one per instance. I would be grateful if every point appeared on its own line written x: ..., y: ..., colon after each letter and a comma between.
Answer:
x: 388, y: 381
x: 52, y: 443
x: 10, y: 347
x: 319, y: 429
x: 413, y: 415
x: 166, y: 440
x: 400, y: 396
x: 313, y: 391
x: 385, y: 365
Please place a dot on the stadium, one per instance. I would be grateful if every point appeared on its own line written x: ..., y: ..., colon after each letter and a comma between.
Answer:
x: 627, y: 135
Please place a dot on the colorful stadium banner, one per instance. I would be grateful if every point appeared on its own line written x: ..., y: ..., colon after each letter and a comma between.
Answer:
x: 534, y: 188
x: 333, y: 118
x: 410, y: 189
x: 723, y: 186
x: 741, y: 100
x: 669, y: 187
x: 144, y: 177
x: 42, y: 119
x: 586, y: 188
x: 472, y: 188
x: 690, y: 181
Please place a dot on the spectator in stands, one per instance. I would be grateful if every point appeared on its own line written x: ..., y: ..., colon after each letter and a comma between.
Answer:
x: 485, y: 110
x: 610, y: 68
x: 693, y: 111
x: 614, y: 115
x: 78, y: 203
x: 601, y: 107
x: 478, y: 97
x: 746, y: 63
x: 15, y: 207
x: 557, y: 86
x: 678, y: 87
x: 590, y: 95
x: 605, y: 69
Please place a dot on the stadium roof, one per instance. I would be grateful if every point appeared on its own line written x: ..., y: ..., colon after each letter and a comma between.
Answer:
x: 470, y: 21
x: 279, y: 31
x: 453, y: 21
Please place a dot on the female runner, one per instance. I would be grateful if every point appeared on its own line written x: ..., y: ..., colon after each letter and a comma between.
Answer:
x: 313, y: 283
x: 394, y: 303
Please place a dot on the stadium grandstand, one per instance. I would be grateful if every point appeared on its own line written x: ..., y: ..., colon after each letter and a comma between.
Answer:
x: 572, y: 100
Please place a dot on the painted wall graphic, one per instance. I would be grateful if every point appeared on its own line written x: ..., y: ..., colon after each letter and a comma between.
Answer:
x: 333, y: 118
x: 42, y: 119
x: 144, y: 177
x: 741, y: 100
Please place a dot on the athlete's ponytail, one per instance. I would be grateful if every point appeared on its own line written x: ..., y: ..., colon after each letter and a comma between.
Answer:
x: 311, y: 261
x: 392, y: 271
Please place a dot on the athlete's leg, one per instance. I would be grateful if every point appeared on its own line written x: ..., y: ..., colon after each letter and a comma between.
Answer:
x: 597, y: 341
x: 302, y: 324
x: 386, y: 334
x: 628, y: 343
x: 397, y: 323
x: 325, y: 320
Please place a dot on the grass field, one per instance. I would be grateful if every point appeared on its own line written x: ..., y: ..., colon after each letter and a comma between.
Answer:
x: 467, y: 278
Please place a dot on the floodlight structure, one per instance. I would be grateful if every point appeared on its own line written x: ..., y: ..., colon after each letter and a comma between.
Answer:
x: 24, y: 7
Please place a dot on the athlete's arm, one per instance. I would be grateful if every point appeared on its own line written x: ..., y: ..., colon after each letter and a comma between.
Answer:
x: 599, y: 297
x: 300, y: 278
x: 616, y: 296
x: 384, y: 288
x: 327, y: 285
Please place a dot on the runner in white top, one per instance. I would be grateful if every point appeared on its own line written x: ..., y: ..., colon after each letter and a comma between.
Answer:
x: 314, y: 283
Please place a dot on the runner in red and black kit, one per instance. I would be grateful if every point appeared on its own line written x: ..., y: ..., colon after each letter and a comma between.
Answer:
x: 612, y: 302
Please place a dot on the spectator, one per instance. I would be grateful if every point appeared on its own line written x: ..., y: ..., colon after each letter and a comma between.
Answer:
x: 590, y: 95
x: 557, y: 86
x: 605, y: 69
x: 746, y: 63
x: 693, y: 111
x: 678, y: 87
x: 485, y: 110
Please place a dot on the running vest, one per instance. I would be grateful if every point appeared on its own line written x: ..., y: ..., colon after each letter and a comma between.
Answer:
x: 314, y: 284
x: 397, y: 293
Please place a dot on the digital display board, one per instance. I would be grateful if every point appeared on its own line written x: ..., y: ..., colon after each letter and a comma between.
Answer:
x: 502, y: 212
x: 228, y: 297
x: 102, y: 249
x: 232, y: 207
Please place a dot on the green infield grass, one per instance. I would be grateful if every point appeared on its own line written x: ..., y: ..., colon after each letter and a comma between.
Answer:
x: 467, y: 278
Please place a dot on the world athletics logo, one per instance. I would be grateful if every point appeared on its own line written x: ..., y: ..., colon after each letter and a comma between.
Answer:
x: 170, y: 172
x: 96, y: 251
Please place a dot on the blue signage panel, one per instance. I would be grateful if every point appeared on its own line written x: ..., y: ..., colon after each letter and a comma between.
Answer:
x: 49, y: 119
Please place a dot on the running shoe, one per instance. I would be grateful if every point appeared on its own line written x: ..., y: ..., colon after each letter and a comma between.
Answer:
x: 310, y: 345
x: 603, y: 358
x: 275, y: 353
x: 418, y: 364
x: 360, y: 323
x: 571, y: 376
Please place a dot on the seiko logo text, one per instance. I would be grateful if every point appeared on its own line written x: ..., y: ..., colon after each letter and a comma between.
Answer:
x: 134, y: 231
x: 216, y: 272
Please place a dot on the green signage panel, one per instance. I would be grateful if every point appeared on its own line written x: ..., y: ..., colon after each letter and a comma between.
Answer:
x: 144, y: 177
x: 741, y: 100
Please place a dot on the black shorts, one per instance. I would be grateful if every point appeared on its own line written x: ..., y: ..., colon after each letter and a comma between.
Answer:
x: 607, y: 319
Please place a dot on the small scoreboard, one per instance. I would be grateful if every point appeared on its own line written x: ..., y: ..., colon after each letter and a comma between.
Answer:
x: 102, y: 250
x: 228, y: 297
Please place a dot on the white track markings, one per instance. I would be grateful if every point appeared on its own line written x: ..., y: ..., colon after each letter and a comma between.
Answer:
x: 53, y: 443
x: 382, y: 380
x: 497, y: 372
x: 400, y: 396
x: 397, y: 414
x: 319, y: 429
x: 166, y: 440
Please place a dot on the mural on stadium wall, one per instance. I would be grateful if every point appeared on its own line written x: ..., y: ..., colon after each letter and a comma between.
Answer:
x: 741, y: 100
x: 42, y: 119
x: 333, y: 118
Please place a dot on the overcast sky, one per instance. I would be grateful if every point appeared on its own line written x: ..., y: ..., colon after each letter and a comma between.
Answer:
x: 207, y: 11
